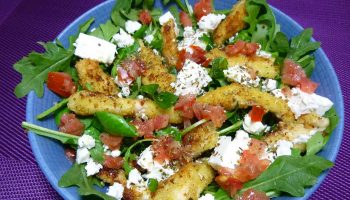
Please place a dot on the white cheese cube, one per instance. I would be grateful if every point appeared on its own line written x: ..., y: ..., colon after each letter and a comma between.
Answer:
x: 191, y: 79
x: 302, y: 103
x: 228, y: 152
x: 83, y: 155
x: 92, y: 167
x: 253, y: 127
x: 269, y: 85
x: 210, y: 21
x: 116, y: 191
x: 86, y: 141
x: 239, y: 74
x: 94, y: 48
x: 136, y: 179
x: 123, y: 39
x: 132, y: 26
x: 283, y: 147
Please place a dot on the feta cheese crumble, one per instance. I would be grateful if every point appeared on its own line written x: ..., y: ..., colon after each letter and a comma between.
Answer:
x: 191, y: 79
x: 123, y: 39
x: 86, y: 141
x: 303, y: 138
x: 240, y: 75
x: 302, y: 103
x: 165, y: 18
x: 83, y: 155
x: 253, y: 127
x: 116, y: 191
x: 269, y: 85
x: 278, y: 93
x: 154, y: 169
x: 210, y: 21
x: 132, y: 26
x: 87, y: 46
x: 283, y: 147
x: 262, y: 53
x: 191, y: 37
x: 92, y: 167
x: 108, y: 152
x: 149, y: 39
x: 228, y: 152
x: 136, y: 179
x: 207, y: 197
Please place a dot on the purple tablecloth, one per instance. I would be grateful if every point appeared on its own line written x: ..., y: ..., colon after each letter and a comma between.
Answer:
x: 24, y: 22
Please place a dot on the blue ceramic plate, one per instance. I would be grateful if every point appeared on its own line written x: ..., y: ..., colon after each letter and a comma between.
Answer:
x: 50, y: 153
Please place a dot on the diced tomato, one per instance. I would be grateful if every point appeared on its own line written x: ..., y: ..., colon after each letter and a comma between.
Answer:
x: 286, y: 91
x: 71, y: 125
x: 229, y: 184
x: 123, y: 77
x: 185, y: 19
x: 207, y: 62
x: 241, y: 47
x: 145, y: 17
x: 113, y: 142
x: 184, y: 104
x: 202, y: 8
x: 214, y: 113
x: 294, y: 75
x: 160, y: 122
x: 70, y: 153
x: 113, y: 163
x: 197, y: 55
x: 253, y: 195
x: 134, y: 67
x: 234, y: 49
x: 61, y: 83
x: 308, y: 86
x: 257, y: 113
x: 166, y: 148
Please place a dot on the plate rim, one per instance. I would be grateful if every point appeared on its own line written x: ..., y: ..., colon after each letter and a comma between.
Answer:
x: 61, y: 191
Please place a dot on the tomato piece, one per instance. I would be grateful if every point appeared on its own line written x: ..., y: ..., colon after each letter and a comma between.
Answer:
x: 61, y: 83
x: 184, y: 104
x: 294, y: 75
x: 134, y: 67
x: 160, y: 122
x: 234, y: 49
x: 70, y: 153
x: 166, y: 148
x: 185, y: 19
x: 113, y: 142
x: 197, y: 55
x: 202, y: 8
x: 257, y: 113
x: 308, y: 86
x: 253, y: 195
x: 250, y: 49
x: 145, y: 17
x: 229, y: 184
x: 113, y: 163
x: 214, y: 113
x: 71, y: 125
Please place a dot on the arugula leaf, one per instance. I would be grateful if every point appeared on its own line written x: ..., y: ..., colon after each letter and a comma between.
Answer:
x: 150, y: 89
x: 126, y: 52
x: 221, y: 195
x: 171, y: 130
x: 53, y: 109
x: 218, y: 67
x: 208, y: 40
x: 126, y: 165
x: 314, y: 144
x: 105, y: 31
x: 76, y: 176
x: 152, y: 184
x: 333, y: 117
x: 62, y: 137
x: 262, y: 23
x: 83, y: 28
x: 98, y: 151
x: 290, y: 174
x: 165, y: 99
x: 36, y: 66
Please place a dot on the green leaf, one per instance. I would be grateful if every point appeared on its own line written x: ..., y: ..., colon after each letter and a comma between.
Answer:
x: 221, y: 195
x: 98, y: 151
x: 126, y: 165
x: 62, y: 137
x: 76, y: 176
x: 208, y: 40
x: 53, y: 109
x: 126, y: 52
x: 148, y: 4
x: 36, y: 66
x: 290, y: 174
x: 218, y: 67
x: 314, y: 144
x: 150, y: 89
x: 165, y: 99
x: 105, y: 31
x: 171, y: 130
x: 152, y: 184
x: 333, y: 117
x: 302, y: 45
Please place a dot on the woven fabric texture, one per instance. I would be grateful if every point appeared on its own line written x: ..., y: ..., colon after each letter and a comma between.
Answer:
x: 24, y: 22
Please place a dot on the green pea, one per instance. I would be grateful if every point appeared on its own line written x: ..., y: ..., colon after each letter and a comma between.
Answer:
x: 116, y: 125
x: 58, y: 116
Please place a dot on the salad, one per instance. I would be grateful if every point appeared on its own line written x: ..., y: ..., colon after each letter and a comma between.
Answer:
x: 191, y: 103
